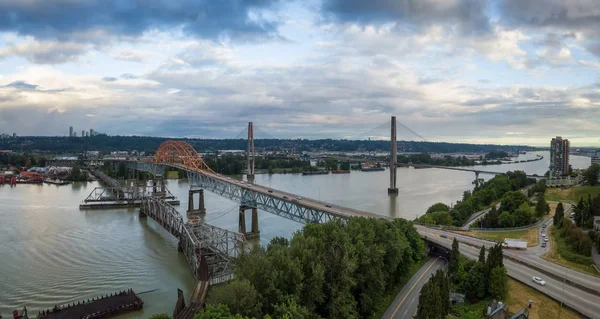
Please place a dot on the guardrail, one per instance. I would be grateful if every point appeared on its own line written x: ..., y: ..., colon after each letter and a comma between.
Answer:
x: 454, y: 228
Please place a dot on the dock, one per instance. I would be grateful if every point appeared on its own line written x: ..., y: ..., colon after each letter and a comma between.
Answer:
x: 102, y: 307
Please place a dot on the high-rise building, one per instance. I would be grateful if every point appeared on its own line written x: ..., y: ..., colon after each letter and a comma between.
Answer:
x: 70, y: 131
x: 559, y: 157
x: 14, y: 135
x: 596, y: 158
x: 87, y: 134
x: 74, y: 134
x: 82, y: 133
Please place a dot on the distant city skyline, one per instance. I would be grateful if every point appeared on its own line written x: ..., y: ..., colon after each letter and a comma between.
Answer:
x: 489, y: 71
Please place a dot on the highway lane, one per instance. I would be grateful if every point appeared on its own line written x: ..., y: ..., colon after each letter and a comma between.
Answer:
x: 406, y: 302
x: 531, y: 258
x: 585, y: 303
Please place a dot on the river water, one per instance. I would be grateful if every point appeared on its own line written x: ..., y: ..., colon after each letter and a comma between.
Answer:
x: 53, y: 253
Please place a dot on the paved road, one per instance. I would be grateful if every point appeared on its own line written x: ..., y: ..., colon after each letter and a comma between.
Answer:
x: 585, y: 303
x: 583, y: 279
x: 406, y: 302
x: 477, y: 216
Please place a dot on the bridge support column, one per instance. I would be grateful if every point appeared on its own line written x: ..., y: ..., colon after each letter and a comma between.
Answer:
x: 242, y: 225
x: 476, y: 179
x: 191, y: 208
x: 250, y: 154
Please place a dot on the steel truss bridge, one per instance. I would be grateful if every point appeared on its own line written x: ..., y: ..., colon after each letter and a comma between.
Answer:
x: 209, y: 250
x: 286, y: 205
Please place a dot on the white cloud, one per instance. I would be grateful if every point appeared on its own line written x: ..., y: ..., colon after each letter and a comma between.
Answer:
x: 132, y: 55
x: 45, y: 52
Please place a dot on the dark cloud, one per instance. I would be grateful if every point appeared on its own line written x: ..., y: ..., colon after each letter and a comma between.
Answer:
x: 594, y: 48
x: 574, y: 15
x: 109, y: 79
x: 21, y: 85
x: 468, y: 15
x: 203, y: 18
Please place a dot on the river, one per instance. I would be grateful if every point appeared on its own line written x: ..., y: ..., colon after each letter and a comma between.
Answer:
x: 53, y: 253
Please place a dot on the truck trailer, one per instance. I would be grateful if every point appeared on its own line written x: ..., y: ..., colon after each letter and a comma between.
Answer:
x: 514, y: 244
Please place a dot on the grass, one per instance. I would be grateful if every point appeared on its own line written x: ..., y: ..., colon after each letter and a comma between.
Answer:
x: 554, y: 256
x: 385, y: 302
x: 530, y: 235
x: 468, y: 310
x: 543, y: 306
x: 572, y: 194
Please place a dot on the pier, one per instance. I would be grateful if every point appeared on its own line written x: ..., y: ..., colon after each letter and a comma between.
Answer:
x: 103, y: 307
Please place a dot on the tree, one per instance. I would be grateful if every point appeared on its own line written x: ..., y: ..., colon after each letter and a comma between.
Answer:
x: 506, y: 219
x: 217, y: 312
x: 523, y: 215
x: 239, y: 296
x: 454, y: 259
x: 438, y: 207
x: 482, y: 255
x: 559, y: 215
x: 541, y: 207
x: 160, y: 316
x: 498, y: 283
x: 475, y: 284
x: 291, y: 310
x: 512, y: 200
x: 345, y: 166
x: 591, y: 174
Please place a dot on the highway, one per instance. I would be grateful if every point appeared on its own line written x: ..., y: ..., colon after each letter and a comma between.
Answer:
x: 529, y: 257
x: 406, y: 302
x: 585, y: 303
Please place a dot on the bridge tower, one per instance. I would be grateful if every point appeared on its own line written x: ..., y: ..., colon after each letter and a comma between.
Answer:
x: 393, y: 190
x: 250, y: 154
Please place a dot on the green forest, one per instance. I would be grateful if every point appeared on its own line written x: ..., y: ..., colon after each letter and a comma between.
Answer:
x: 331, y: 270
x: 503, y: 187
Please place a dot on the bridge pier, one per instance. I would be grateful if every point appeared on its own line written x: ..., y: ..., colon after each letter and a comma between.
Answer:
x: 393, y: 190
x: 476, y: 179
x: 242, y: 223
x: 191, y: 209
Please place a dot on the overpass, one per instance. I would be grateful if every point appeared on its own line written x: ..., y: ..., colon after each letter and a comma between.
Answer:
x: 579, y: 291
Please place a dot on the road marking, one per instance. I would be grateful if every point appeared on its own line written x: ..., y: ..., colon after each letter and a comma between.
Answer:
x: 413, y: 286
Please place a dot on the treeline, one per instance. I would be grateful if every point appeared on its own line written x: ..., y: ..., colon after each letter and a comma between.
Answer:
x: 586, y: 210
x: 331, y: 270
x: 104, y: 143
x: 477, y: 280
x: 503, y: 185
x: 20, y: 160
x: 515, y: 209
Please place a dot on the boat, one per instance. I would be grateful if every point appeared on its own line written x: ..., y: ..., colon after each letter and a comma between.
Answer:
x: 316, y: 173
x: 340, y: 171
x: 373, y: 169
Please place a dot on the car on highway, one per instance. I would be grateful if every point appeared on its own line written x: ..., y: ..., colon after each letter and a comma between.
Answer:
x: 539, y: 281
x: 327, y: 205
x: 544, y: 226
x: 270, y: 190
x: 545, y: 238
x: 285, y: 197
x: 298, y: 198
x: 544, y: 245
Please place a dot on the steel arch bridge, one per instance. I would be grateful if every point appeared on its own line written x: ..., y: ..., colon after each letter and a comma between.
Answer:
x: 180, y: 152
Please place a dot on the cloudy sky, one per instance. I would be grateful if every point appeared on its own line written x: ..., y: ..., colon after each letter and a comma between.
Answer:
x: 496, y: 71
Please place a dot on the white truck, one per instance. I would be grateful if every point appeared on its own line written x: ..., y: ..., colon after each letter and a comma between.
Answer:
x: 514, y: 244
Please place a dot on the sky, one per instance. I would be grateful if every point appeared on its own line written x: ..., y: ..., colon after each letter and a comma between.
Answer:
x: 475, y: 71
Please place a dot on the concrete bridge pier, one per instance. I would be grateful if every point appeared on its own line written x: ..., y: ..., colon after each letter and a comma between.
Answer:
x: 476, y: 179
x: 158, y: 187
x: 242, y: 225
x: 201, y: 210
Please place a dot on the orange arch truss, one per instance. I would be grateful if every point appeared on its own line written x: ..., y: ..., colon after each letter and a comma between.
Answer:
x: 179, y: 152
